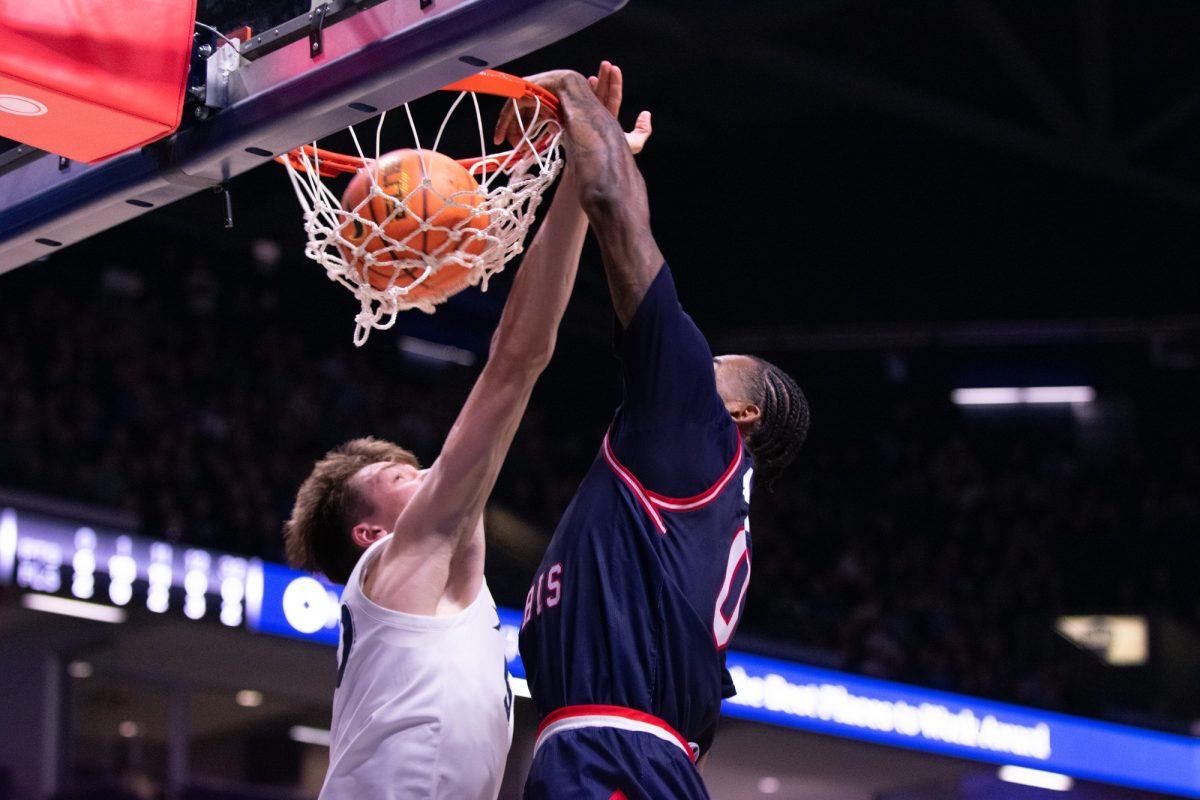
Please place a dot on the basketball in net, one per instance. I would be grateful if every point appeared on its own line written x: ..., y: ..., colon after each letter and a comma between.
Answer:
x: 413, y: 209
x: 413, y: 227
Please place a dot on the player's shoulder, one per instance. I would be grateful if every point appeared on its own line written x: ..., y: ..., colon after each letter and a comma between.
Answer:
x: 354, y: 584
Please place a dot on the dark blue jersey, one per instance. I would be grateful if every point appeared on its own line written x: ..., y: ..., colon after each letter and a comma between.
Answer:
x: 642, y: 585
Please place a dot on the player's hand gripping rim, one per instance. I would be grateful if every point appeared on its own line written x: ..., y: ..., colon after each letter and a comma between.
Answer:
x: 608, y: 84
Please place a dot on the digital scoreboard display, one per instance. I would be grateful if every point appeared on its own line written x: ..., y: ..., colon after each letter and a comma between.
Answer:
x: 52, y: 555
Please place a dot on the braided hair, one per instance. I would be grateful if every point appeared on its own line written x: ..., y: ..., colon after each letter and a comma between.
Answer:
x: 779, y: 433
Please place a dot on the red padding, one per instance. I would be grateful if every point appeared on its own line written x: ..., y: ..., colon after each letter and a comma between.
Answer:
x: 88, y: 79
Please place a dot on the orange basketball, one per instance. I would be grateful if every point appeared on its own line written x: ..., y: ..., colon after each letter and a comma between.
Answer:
x: 432, y: 215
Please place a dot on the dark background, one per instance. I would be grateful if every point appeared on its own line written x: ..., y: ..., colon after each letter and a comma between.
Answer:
x: 823, y: 163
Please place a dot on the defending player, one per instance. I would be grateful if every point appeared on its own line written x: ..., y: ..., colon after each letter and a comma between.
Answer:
x: 640, y: 590
x: 423, y: 707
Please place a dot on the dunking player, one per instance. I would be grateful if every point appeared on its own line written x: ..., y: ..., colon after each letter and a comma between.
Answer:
x: 423, y: 707
x: 640, y: 590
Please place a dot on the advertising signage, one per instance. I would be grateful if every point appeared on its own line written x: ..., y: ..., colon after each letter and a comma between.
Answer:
x: 46, y: 554
x: 884, y: 712
x: 59, y: 556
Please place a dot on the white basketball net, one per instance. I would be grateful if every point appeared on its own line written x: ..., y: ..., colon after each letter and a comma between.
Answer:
x: 511, y: 185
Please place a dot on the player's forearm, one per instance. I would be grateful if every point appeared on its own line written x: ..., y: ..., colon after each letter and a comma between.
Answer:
x: 541, y: 290
x: 460, y: 481
x: 612, y: 193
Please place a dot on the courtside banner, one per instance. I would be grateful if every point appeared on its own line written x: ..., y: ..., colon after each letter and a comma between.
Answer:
x: 287, y: 602
x: 851, y: 706
x: 52, y: 554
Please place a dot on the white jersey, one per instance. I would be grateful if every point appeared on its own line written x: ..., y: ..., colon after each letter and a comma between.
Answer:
x: 423, y: 706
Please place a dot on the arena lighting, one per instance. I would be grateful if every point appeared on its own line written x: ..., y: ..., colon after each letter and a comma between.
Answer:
x: 432, y: 351
x: 1036, y: 778
x: 8, y: 544
x: 1119, y: 640
x: 249, y: 698
x: 1028, y: 395
x: 254, y: 592
x: 129, y: 729
x: 768, y: 785
x: 308, y: 735
x: 72, y: 608
x: 79, y: 669
x: 1059, y: 394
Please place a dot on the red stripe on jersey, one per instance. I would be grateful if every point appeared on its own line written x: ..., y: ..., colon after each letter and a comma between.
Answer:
x: 568, y: 712
x: 634, y: 486
x: 704, y: 498
x: 652, y: 501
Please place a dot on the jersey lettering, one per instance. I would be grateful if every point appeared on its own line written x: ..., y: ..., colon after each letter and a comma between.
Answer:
x: 508, y: 693
x: 546, y: 592
x: 737, y: 574
x: 740, y: 578
x: 554, y: 585
x: 725, y: 624
x: 346, y: 642
x: 528, y: 606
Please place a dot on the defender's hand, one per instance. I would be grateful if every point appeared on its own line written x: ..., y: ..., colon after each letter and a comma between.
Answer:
x: 609, y: 86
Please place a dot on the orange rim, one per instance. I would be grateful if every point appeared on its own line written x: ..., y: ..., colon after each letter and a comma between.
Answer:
x: 488, y: 81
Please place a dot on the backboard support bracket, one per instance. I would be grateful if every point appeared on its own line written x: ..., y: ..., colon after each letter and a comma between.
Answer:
x: 316, y: 29
x: 309, y: 26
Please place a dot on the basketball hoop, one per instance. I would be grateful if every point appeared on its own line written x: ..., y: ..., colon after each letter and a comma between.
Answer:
x: 477, y: 230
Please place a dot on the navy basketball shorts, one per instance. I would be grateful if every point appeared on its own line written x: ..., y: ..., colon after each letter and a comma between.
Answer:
x: 611, y: 753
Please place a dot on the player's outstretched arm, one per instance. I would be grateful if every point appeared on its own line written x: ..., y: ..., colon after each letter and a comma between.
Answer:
x: 450, y: 501
x: 611, y: 189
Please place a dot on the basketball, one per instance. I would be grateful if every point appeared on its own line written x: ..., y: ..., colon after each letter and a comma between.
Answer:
x: 423, y: 213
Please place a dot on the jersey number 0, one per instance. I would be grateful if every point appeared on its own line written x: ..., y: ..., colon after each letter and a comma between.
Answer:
x: 725, y: 619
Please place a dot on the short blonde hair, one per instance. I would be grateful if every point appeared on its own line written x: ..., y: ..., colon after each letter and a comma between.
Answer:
x: 317, y: 537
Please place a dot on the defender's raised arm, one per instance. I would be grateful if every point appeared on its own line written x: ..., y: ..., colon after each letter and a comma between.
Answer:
x: 415, y: 568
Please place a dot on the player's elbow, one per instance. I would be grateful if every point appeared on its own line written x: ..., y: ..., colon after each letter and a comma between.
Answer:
x: 522, y: 356
x: 601, y: 200
x: 613, y: 208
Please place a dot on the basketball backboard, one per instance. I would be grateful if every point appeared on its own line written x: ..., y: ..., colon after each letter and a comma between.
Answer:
x: 305, y: 70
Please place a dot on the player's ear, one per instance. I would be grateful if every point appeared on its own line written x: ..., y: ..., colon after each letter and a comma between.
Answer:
x: 365, y: 535
x: 744, y: 413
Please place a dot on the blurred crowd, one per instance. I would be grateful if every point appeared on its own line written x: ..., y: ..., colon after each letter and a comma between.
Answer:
x: 928, y: 550
x: 912, y: 541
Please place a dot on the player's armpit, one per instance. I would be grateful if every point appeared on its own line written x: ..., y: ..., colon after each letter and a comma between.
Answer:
x: 667, y: 364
